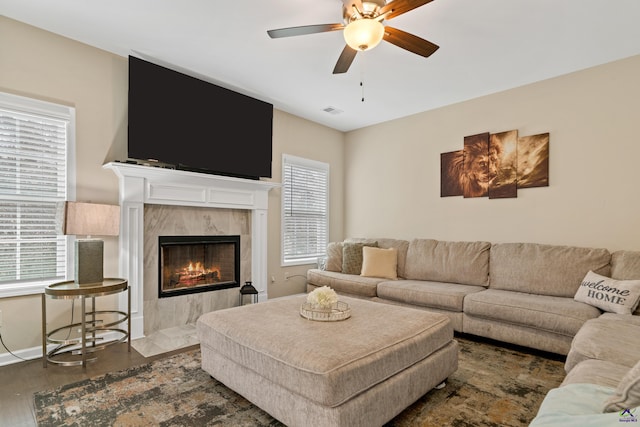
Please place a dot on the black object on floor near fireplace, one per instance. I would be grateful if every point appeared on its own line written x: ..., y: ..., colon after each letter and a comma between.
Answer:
x: 190, y: 264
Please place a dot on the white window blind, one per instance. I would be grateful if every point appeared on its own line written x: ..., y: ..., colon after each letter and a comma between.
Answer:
x: 305, y: 210
x: 34, y: 139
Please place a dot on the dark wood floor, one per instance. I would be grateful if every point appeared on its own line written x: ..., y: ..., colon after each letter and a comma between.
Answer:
x: 19, y: 381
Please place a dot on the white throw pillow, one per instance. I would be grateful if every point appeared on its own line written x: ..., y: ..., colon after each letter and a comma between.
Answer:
x: 378, y: 262
x: 615, y: 296
x: 627, y: 394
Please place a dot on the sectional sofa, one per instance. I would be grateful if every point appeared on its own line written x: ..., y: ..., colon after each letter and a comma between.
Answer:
x: 602, y: 386
x: 520, y: 293
x: 574, y: 301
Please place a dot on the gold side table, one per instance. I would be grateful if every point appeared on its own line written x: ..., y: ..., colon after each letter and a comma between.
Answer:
x: 80, y: 347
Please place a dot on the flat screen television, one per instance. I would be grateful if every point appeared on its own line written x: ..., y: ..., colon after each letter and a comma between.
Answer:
x: 192, y: 124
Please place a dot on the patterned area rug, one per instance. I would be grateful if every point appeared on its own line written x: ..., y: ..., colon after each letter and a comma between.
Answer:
x: 494, y: 386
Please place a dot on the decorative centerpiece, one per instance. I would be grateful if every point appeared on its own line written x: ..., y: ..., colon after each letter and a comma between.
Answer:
x: 323, y: 305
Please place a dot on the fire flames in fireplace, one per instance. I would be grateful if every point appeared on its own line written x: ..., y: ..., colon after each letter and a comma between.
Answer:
x: 194, y: 274
x: 189, y: 264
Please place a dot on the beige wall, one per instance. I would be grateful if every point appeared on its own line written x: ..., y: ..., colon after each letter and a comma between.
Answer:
x: 302, y: 138
x: 392, y: 170
x: 40, y: 65
x: 95, y: 83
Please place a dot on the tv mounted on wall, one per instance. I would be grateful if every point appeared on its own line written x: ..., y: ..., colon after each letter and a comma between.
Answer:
x: 192, y: 124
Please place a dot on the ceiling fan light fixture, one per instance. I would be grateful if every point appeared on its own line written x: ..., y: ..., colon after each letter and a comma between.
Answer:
x: 363, y: 34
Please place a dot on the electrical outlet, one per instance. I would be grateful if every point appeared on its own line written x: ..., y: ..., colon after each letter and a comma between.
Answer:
x: 273, y: 279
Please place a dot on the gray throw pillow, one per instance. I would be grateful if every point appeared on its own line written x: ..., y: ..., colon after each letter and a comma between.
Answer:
x: 352, y: 257
x: 334, y: 257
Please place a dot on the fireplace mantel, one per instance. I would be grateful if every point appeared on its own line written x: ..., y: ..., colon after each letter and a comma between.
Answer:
x: 140, y: 185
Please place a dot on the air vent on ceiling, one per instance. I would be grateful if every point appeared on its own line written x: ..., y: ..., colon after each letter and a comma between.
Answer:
x: 332, y: 110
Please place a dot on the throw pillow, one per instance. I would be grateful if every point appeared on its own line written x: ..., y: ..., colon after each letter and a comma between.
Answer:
x: 616, y: 296
x: 334, y: 256
x: 378, y: 262
x: 627, y: 394
x: 352, y: 257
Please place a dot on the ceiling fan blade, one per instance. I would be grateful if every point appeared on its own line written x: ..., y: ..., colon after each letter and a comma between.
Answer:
x: 345, y: 60
x: 409, y: 42
x: 306, y: 29
x: 398, y: 7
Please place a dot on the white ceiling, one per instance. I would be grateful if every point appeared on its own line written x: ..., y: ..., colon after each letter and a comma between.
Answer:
x: 485, y: 46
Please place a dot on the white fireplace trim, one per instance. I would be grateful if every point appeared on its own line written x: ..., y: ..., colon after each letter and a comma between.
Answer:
x: 155, y: 185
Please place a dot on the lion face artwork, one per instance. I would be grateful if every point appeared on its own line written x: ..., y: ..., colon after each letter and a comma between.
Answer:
x: 466, y: 172
x: 495, y: 165
x: 476, y: 166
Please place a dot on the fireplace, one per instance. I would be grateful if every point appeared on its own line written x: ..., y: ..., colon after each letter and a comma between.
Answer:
x: 190, y: 264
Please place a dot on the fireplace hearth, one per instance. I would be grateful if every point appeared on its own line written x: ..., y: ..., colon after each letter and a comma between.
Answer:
x: 191, y: 264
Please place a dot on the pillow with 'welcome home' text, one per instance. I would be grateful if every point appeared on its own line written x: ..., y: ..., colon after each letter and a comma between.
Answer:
x: 615, y: 296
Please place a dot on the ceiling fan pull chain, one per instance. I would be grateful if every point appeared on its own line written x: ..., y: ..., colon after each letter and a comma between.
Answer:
x: 363, y: 65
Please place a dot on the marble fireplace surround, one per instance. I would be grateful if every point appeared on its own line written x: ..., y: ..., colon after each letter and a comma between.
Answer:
x: 147, y: 185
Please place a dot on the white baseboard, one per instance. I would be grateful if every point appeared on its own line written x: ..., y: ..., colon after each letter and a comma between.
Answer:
x: 36, y: 352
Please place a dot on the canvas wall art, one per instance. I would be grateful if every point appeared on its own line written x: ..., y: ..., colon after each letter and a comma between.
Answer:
x: 503, y: 165
x: 495, y: 165
x: 476, y: 165
x: 533, y: 161
x: 451, y: 172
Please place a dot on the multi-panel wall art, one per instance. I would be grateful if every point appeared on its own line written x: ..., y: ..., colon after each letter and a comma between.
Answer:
x: 495, y: 165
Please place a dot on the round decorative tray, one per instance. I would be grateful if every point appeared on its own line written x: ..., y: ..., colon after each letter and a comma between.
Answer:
x: 339, y: 311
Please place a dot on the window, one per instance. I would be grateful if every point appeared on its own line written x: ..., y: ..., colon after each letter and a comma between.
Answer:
x: 36, y: 138
x: 305, y: 210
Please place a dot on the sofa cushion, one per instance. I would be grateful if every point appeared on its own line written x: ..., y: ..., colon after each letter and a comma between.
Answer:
x: 625, y: 265
x: 386, y: 243
x: 344, y: 283
x: 615, y: 296
x: 334, y: 257
x: 379, y: 262
x: 633, y: 319
x: 627, y: 394
x: 544, y: 269
x: 600, y: 372
x: 605, y: 339
x: 465, y: 263
x: 559, y: 315
x: 447, y: 296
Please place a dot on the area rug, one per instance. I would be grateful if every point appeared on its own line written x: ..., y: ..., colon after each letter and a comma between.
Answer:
x: 493, y: 386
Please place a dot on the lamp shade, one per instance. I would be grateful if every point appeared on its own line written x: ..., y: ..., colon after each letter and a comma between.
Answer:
x: 88, y: 219
x: 363, y: 34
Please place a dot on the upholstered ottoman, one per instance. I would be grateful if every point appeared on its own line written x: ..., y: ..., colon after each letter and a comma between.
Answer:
x: 361, y: 371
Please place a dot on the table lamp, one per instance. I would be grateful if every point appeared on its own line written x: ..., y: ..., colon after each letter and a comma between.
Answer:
x: 89, y: 219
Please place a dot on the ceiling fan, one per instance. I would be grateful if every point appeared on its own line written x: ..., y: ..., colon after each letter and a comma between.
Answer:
x: 363, y: 29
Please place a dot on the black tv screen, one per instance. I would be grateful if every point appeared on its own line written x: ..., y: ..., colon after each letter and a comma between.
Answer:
x: 195, y: 125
